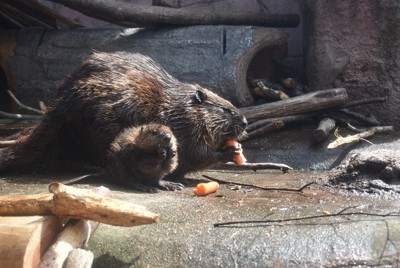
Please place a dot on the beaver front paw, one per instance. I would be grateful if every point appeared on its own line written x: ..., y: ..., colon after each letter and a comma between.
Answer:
x: 229, y: 153
x: 170, y: 186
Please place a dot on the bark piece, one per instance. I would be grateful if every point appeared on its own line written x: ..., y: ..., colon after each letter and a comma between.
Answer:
x: 360, y: 136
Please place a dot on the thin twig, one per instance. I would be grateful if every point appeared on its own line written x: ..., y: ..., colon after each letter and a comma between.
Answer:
x: 258, y: 166
x: 23, y: 106
x: 307, y: 218
x: 299, y: 190
x: 20, y: 116
x: 76, y: 179
x: 285, y: 119
x: 365, y: 101
x: 6, y: 143
x: 369, y: 120
x: 264, y: 130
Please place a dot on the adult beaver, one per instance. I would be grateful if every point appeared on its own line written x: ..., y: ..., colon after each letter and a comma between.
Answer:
x: 113, y: 91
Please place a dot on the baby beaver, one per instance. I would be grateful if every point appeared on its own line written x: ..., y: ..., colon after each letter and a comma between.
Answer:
x: 140, y: 157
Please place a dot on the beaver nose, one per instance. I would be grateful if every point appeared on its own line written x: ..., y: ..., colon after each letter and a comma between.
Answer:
x: 166, y: 139
x: 244, y: 121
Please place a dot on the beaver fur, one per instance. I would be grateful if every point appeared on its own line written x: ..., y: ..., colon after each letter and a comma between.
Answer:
x: 113, y: 91
x: 140, y: 157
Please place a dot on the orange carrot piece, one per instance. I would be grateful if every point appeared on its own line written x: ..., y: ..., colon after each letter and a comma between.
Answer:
x: 206, y: 188
x: 239, y: 158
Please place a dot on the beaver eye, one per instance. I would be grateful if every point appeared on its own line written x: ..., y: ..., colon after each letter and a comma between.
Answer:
x: 199, y: 97
x: 229, y: 111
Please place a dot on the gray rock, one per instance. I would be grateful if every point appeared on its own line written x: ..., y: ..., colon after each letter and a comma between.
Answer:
x: 355, y: 45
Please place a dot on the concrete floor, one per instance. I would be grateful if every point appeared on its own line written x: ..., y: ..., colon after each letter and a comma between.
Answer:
x: 185, y: 236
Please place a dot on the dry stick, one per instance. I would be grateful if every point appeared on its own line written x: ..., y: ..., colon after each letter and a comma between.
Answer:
x: 71, y: 202
x: 262, y: 131
x: 133, y: 15
x: 360, y: 136
x: 23, y: 106
x: 258, y: 166
x: 395, y: 214
x: 353, y: 128
x: 20, y: 116
x: 299, y: 190
x: 364, y: 102
x: 285, y: 119
x: 6, y: 143
x: 75, y: 234
x: 370, y: 120
x: 262, y: 90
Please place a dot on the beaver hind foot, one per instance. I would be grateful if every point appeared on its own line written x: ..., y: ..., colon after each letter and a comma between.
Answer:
x: 140, y: 157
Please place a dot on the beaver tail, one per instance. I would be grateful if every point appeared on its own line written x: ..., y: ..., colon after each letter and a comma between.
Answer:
x: 32, y: 150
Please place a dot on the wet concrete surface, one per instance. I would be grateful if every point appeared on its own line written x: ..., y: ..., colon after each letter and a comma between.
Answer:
x: 185, y: 236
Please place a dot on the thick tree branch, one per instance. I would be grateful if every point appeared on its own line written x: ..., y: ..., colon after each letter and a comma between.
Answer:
x: 310, y: 102
x: 133, y: 15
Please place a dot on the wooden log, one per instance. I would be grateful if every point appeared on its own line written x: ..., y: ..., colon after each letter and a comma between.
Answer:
x: 70, y: 202
x: 37, y: 14
x: 75, y: 234
x: 310, y: 102
x: 20, y: 16
x: 134, y: 15
x: 23, y: 240
x: 325, y: 127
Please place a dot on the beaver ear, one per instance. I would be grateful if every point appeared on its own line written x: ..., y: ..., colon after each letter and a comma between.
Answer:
x: 200, y: 96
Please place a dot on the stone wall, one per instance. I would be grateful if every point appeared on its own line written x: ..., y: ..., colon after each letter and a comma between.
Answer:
x: 295, y: 48
x: 356, y: 45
